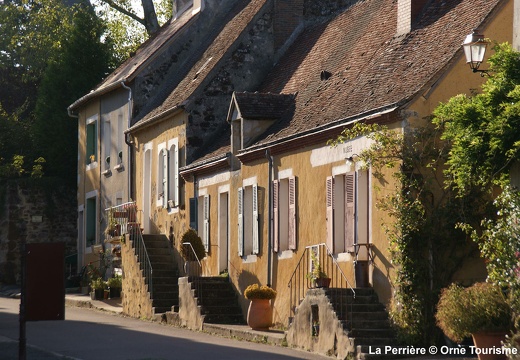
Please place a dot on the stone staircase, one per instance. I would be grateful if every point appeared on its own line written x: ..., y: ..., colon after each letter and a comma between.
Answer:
x: 165, y: 274
x: 368, y: 325
x: 217, y: 300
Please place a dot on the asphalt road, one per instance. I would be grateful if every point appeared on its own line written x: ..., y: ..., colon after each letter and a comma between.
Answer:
x: 90, y: 334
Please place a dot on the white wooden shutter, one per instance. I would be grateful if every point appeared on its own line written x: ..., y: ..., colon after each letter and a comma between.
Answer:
x: 165, y: 177
x: 240, y: 222
x: 276, y: 235
x: 350, y: 198
x: 206, y: 223
x: 292, y: 213
x: 256, y: 242
x: 330, y: 213
x: 175, y: 196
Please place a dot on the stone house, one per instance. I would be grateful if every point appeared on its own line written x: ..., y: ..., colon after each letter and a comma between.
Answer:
x: 236, y: 146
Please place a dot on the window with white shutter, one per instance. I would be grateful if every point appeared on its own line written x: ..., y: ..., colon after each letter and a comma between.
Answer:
x: 284, y: 214
x: 240, y: 222
x: 205, y: 235
x: 248, y: 221
x: 173, y: 174
x: 344, y: 200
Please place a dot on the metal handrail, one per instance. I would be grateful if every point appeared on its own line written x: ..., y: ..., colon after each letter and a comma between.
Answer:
x: 298, y: 285
x: 199, y: 272
x: 127, y: 217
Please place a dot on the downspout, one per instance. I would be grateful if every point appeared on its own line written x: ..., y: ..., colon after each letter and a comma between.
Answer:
x: 80, y: 236
x: 270, y: 215
x: 128, y: 142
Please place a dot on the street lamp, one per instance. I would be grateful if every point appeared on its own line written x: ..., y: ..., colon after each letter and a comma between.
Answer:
x: 474, y: 48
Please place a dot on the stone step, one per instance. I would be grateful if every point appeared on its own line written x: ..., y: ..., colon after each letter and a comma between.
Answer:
x: 167, y: 280
x: 373, y: 307
x: 159, y: 251
x: 165, y: 303
x: 162, y: 266
x: 357, y: 291
x: 372, y: 333
x: 221, y: 309
x: 224, y: 319
x: 370, y: 324
x: 156, y: 244
x: 374, y: 341
x: 160, y: 294
x: 165, y: 273
x: 160, y: 258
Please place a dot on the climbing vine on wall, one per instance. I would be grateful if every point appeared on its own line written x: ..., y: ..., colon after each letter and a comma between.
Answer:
x: 426, y: 248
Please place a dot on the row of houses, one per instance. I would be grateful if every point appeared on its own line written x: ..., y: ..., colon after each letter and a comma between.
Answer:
x: 221, y: 121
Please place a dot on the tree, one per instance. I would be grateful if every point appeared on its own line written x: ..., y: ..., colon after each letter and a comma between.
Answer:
x: 125, y: 24
x: 484, y: 130
x: 82, y: 61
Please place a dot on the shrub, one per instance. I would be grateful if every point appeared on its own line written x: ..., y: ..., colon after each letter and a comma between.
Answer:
x: 464, y: 311
x: 190, y: 236
x: 256, y: 291
x: 115, y: 282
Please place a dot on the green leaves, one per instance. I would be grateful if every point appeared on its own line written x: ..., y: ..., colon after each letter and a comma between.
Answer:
x: 484, y: 131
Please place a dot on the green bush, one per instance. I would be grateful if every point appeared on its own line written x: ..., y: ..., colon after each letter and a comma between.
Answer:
x: 115, y: 282
x: 190, y: 236
x: 98, y: 284
x: 481, y: 307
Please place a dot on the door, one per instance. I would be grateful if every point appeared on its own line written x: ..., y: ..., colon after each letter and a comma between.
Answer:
x: 223, y: 231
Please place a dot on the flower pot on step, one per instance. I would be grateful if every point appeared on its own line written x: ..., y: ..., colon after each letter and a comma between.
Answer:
x: 260, y: 314
x: 486, y: 342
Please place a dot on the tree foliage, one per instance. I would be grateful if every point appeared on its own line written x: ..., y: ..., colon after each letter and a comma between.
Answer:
x: 81, y: 62
x: 484, y: 130
x: 130, y: 25
x: 426, y: 247
x: 52, y: 53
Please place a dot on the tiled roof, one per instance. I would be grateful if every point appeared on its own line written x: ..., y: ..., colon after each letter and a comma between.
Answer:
x: 370, y: 68
x: 263, y: 106
x: 245, y: 11
x: 129, y: 68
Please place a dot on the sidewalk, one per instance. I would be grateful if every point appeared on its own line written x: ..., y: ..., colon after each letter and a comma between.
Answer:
x: 240, y: 332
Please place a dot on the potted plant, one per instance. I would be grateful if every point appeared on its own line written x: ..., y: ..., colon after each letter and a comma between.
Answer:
x: 260, y: 313
x: 317, y: 275
x: 115, y: 285
x: 480, y: 311
x: 98, y: 288
x: 192, y: 250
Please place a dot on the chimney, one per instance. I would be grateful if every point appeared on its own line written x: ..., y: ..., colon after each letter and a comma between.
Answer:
x: 288, y: 15
x: 407, y: 12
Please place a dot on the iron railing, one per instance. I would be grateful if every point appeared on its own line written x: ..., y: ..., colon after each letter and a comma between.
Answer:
x: 124, y: 219
x: 339, y: 289
x: 194, y: 270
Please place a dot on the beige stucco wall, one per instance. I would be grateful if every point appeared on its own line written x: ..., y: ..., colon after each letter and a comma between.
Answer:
x: 161, y: 221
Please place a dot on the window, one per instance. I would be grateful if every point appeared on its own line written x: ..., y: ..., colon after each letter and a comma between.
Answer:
x: 173, y: 166
x: 284, y: 214
x: 120, y: 135
x: 91, y: 221
x: 91, y: 132
x: 162, y: 178
x: 168, y: 194
x: 107, y: 141
x: 248, y: 241
x: 347, y: 210
x: 203, y: 221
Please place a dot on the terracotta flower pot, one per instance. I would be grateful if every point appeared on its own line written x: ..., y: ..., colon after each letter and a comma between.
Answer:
x: 322, y: 282
x: 259, y: 314
x: 487, y: 342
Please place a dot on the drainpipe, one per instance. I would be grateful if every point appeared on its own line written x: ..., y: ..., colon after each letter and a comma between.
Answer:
x: 79, y: 245
x: 270, y: 223
x: 128, y: 142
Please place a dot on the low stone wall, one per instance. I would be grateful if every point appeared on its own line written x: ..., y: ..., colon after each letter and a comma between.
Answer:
x: 135, y: 297
x: 189, y: 311
x: 331, y: 340
x: 35, y: 211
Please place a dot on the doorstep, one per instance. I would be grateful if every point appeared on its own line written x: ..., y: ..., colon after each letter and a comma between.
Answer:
x: 84, y: 300
x: 244, y: 332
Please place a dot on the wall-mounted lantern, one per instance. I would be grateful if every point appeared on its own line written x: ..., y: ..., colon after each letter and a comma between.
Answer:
x: 474, y: 49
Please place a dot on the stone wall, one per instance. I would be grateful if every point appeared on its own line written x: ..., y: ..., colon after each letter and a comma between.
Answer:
x: 135, y: 297
x: 332, y: 339
x: 37, y: 211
